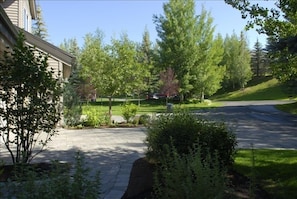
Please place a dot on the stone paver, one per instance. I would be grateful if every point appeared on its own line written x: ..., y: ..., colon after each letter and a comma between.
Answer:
x: 112, y: 151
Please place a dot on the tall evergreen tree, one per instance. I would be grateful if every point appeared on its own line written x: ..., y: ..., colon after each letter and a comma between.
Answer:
x: 146, y: 59
x: 259, y: 60
x: 39, y: 28
x: 71, y: 94
x: 177, y: 31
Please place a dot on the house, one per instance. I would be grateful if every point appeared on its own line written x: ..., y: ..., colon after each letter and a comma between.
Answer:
x: 17, y: 15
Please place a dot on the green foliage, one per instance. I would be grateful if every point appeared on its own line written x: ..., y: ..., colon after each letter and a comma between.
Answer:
x: 30, y: 96
x: 39, y: 27
x: 129, y: 111
x: 208, y: 72
x: 112, y: 69
x: 144, y: 119
x: 179, y: 35
x: 274, y: 170
x: 189, y: 176
x: 94, y: 117
x: 146, y: 58
x: 269, y: 89
x: 259, y: 61
x: 279, y: 24
x: 184, y: 130
x: 237, y: 61
x: 56, y: 183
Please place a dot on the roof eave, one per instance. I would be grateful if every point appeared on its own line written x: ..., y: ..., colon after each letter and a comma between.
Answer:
x: 49, y: 48
x: 32, y: 4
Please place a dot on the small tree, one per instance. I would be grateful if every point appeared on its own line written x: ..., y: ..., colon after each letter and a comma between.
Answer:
x: 169, y: 83
x: 30, y: 98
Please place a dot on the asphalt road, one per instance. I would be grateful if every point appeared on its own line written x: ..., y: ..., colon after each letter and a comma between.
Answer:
x: 258, y: 123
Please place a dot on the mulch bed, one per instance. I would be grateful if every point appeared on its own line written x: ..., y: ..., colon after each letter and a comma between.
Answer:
x: 40, y: 169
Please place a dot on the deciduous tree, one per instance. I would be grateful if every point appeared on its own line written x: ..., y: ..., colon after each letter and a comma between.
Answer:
x: 207, y: 73
x: 279, y: 23
x: 177, y: 30
x: 112, y: 69
x: 237, y: 60
x: 30, y: 101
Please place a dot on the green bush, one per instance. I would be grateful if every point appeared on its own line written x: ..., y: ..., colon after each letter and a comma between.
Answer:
x: 95, y: 117
x: 129, y: 111
x: 185, y: 130
x: 144, y: 119
x: 189, y: 176
x: 77, y: 185
x: 72, y: 117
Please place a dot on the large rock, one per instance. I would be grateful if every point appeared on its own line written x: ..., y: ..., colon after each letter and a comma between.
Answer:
x: 140, y: 181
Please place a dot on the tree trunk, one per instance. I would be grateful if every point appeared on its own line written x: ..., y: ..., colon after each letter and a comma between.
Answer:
x: 202, y: 97
x: 109, y: 108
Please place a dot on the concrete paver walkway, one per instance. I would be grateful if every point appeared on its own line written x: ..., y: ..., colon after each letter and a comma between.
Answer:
x: 112, y: 151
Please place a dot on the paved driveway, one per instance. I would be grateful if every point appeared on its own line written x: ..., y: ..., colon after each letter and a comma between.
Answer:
x: 258, y: 123
x: 113, y: 151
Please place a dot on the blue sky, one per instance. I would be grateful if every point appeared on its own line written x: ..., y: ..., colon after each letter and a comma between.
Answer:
x: 67, y: 19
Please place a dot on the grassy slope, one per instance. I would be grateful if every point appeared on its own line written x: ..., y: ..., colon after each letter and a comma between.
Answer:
x: 270, y: 89
x: 261, y: 89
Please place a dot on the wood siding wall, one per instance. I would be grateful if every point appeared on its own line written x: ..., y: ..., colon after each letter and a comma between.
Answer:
x: 11, y: 8
x: 15, y: 11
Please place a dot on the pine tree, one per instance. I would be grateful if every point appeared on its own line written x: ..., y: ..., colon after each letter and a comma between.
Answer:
x: 39, y: 27
x: 259, y: 60
x: 147, y: 60
x: 71, y: 95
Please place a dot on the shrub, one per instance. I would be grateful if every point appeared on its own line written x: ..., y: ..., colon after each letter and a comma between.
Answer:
x: 72, y: 117
x: 185, y: 130
x: 129, y: 111
x: 30, y: 100
x: 144, y: 119
x: 79, y: 184
x: 189, y: 176
x: 95, y: 117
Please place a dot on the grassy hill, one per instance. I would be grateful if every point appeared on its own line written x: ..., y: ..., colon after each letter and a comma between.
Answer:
x: 258, y: 89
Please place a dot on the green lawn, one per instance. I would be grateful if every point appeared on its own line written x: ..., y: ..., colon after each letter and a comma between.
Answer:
x: 274, y: 170
x: 289, y: 108
x: 267, y: 90
x: 145, y: 106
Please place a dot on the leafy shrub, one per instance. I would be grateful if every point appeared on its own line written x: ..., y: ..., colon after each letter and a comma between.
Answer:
x: 72, y: 117
x: 185, y: 130
x: 189, y: 176
x: 30, y: 101
x: 129, y: 111
x: 77, y: 185
x: 144, y: 119
x: 94, y: 117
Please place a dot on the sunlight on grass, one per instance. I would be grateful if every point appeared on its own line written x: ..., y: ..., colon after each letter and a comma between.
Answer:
x: 275, y: 170
x: 268, y: 90
x: 146, y: 106
x: 289, y: 108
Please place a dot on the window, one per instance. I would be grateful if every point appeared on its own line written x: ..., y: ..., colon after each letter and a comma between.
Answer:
x: 26, y: 19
